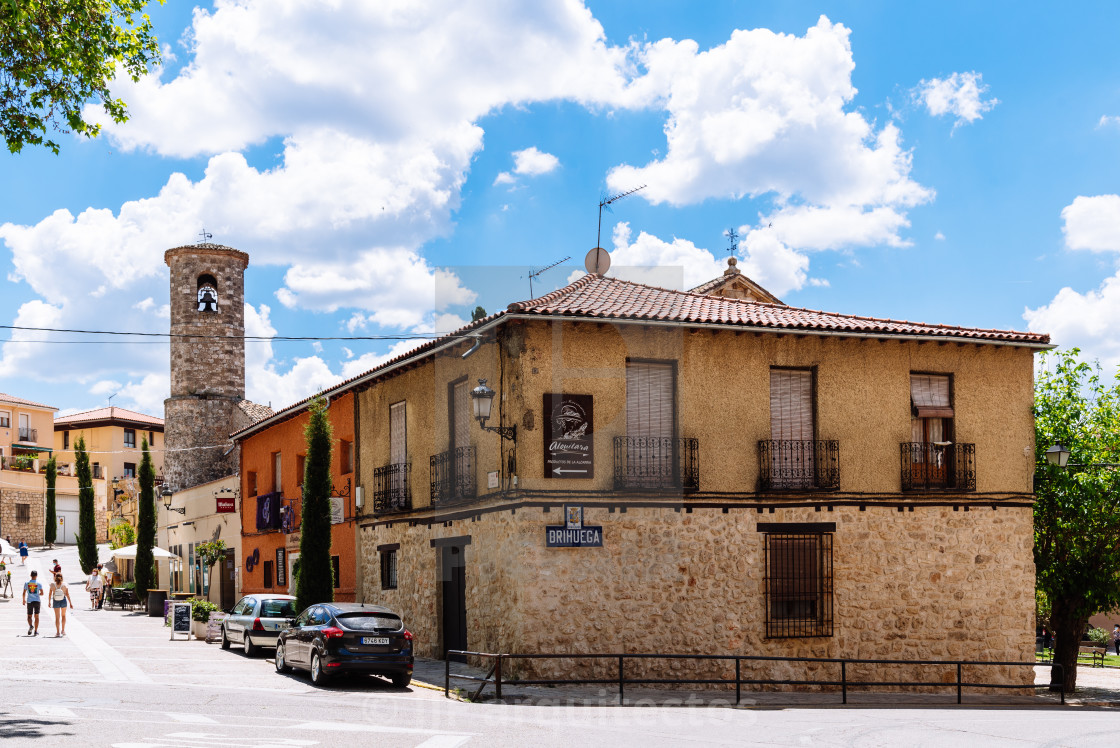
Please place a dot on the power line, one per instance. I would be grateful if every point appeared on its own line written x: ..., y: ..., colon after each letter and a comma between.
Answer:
x: 195, y: 336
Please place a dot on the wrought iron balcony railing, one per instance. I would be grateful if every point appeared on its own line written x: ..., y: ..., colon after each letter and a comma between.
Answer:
x: 656, y: 462
x: 928, y: 466
x: 452, y: 476
x: 28, y: 435
x: 799, y: 465
x: 392, y: 489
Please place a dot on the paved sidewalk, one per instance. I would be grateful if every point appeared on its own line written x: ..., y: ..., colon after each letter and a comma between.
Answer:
x: 1097, y: 687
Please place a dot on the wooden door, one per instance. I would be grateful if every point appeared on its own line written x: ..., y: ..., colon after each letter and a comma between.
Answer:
x: 454, y: 588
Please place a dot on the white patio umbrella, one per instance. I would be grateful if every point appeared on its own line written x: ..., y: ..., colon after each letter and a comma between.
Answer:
x: 129, y: 552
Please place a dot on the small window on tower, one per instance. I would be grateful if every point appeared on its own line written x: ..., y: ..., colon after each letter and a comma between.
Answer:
x: 207, y: 293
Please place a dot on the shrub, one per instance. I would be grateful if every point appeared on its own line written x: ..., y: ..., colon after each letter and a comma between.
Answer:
x: 201, y: 609
x: 1099, y: 637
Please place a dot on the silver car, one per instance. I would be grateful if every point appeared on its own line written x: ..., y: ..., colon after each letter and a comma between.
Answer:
x: 257, y: 620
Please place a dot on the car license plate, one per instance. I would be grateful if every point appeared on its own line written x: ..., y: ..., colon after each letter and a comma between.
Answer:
x: 382, y: 640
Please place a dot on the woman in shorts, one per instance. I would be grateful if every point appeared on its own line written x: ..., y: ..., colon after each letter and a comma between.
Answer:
x: 60, y: 601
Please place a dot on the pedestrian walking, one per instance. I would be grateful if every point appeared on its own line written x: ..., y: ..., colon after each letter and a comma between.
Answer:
x: 106, y: 581
x: 1116, y: 638
x: 32, y: 591
x: 22, y: 553
x: 95, y: 585
x: 60, y: 601
x: 55, y: 567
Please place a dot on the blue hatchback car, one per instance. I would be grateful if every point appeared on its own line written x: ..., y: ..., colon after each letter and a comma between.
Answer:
x: 330, y: 638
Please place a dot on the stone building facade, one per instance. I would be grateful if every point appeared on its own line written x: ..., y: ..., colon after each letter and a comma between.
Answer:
x: 702, y: 473
x: 207, y: 362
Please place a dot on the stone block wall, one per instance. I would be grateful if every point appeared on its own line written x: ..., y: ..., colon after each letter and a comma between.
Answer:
x: 933, y: 583
x: 32, y: 531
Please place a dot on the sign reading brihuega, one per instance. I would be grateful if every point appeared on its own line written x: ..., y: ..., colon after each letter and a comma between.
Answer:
x: 568, y: 436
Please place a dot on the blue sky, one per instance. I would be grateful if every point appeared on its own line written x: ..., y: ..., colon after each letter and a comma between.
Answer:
x: 389, y: 167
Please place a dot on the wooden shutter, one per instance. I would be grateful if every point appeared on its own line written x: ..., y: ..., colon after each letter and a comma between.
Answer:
x: 650, y: 401
x: 791, y: 404
x: 276, y: 473
x: 460, y: 415
x: 398, y: 435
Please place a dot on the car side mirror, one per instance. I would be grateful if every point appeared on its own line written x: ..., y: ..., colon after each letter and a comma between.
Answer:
x: 291, y: 622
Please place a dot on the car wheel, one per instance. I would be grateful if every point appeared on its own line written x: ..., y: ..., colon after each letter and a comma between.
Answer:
x: 318, y: 675
x: 281, y: 663
x: 225, y: 638
x: 250, y: 648
x: 401, y: 680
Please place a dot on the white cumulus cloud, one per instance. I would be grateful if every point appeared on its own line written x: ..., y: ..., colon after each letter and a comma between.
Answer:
x: 960, y: 95
x: 1092, y: 223
x: 1086, y: 320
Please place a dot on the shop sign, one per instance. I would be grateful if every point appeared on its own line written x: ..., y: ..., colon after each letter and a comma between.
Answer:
x: 573, y: 533
x: 338, y: 515
x: 281, y: 568
x: 225, y: 505
x: 568, y: 446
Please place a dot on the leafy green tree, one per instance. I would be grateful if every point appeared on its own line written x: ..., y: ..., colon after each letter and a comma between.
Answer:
x: 121, y: 536
x: 477, y: 314
x: 208, y: 554
x: 145, y: 524
x: 57, y: 55
x: 1077, y: 508
x: 87, y: 521
x: 51, y: 530
x: 314, y: 580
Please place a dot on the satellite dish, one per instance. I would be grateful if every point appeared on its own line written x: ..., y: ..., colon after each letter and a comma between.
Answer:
x: 598, y: 261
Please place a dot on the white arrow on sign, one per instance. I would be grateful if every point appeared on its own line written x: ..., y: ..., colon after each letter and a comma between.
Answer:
x: 562, y: 470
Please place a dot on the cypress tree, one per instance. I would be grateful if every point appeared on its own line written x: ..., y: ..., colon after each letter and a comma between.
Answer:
x: 145, y: 524
x: 315, y: 580
x: 87, y: 523
x: 50, y: 533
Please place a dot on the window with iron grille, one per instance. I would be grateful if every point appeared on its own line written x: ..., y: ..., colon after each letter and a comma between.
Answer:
x: 23, y: 513
x: 389, y: 570
x: 130, y: 438
x: 798, y: 583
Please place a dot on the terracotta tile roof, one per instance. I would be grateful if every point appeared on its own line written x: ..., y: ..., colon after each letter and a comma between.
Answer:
x: 112, y: 413
x: 598, y: 297
x: 255, y: 411
x: 20, y: 401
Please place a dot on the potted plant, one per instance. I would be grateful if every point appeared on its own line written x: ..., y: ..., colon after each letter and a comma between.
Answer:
x: 200, y: 615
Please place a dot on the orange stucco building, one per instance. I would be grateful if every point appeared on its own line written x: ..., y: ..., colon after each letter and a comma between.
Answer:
x: 272, y: 461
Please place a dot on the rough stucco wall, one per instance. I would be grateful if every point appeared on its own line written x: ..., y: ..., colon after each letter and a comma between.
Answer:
x: 723, y: 391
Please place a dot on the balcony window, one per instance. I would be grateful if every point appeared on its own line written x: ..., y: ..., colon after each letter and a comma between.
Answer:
x: 933, y: 459
x: 130, y: 470
x: 130, y: 438
x: 5, y: 420
x: 452, y: 476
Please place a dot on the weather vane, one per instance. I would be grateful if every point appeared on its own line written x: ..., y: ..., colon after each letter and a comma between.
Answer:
x: 732, y: 241
x: 206, y: 236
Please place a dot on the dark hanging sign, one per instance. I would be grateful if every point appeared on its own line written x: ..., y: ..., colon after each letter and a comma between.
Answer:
x: 225, y: 504
x: 281, y: 568
x: 573, y: 533
x: 568, y: 448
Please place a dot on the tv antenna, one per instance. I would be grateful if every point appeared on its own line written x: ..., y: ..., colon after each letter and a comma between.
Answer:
x: 534, y: 274
x: 206, y: 236
x: 605, y: 202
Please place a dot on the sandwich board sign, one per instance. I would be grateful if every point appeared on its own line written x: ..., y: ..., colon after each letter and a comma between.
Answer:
x: 181, y: 620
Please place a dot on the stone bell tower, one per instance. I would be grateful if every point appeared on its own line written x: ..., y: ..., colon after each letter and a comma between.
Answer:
x: 207, y: 362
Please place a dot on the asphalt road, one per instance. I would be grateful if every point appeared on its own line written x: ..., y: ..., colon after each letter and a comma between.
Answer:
x: 117, y: 680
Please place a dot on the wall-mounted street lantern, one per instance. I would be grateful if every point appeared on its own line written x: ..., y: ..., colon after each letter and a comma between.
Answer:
x: 483, y: 398
x: 1058, y: 455
x: 167, y: 494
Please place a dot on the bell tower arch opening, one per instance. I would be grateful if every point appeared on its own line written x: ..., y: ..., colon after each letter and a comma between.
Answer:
x: 207, y: 293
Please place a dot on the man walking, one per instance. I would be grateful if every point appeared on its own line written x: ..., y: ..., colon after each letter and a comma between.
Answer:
x: 32, y: 589
x: 94, y: 585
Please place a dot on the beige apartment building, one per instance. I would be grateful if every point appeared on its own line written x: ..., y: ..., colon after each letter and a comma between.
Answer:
x: 26, y: 439
x: 113, y: 438
x: 677, y: 472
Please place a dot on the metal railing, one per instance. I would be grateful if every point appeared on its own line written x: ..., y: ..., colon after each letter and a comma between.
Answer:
x: 23, y: 464
x: 452, y: 476
x: 841, y: 679
x: 656, y: 462
x: 393, y: 491
x: 799, y: 465
x: 928, y: 466
x: 28, y: 435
